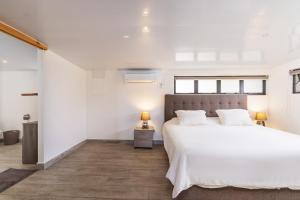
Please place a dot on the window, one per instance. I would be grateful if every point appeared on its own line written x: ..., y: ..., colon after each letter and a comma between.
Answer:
x: 296, y: 83
x: 296, y: 80
x: 230, y: 86
x: 184, y: 86
x: 207, y: 86
x: 252, y: 85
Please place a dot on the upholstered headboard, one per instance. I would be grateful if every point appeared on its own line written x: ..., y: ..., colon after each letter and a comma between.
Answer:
x: 209, y: 103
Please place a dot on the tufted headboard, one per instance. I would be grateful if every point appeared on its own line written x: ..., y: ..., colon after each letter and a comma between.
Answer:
x: 209, y: 103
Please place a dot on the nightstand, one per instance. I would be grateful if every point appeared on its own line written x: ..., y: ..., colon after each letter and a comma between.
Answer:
x: 143, y: 138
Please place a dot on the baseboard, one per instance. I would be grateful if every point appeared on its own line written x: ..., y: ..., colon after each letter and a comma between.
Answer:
x: 60, y: 156
x: 109, y: 141
x: 158, y: 142
x: 155, y: 142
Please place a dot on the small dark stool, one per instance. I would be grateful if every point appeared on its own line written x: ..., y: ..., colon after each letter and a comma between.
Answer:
x: 11, y: 137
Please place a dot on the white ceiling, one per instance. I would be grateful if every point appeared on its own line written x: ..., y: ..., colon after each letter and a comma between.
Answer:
x: 90, y: 33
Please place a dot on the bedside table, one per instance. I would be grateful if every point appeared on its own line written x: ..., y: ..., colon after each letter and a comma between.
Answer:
x: 143, y: 138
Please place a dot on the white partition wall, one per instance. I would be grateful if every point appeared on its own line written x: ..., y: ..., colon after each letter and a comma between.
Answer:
x: 63, y: 106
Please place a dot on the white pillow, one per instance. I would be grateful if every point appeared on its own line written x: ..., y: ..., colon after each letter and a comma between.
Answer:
x: 191, y: 117
x: 235, y: 117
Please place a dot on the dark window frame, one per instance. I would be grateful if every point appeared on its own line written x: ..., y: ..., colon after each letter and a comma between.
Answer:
x: 294, y: 84
x: 219, y: 82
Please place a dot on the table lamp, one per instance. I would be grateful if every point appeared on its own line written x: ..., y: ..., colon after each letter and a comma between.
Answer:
x: 261, y: 117
x: 145, y: 116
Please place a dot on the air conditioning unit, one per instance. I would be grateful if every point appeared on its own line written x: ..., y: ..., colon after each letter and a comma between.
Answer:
x: 141, y: 75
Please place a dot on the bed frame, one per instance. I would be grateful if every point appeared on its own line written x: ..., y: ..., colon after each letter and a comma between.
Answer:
x: 210, y: 103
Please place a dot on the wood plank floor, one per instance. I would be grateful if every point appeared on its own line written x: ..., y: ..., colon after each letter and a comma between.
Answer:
x: 99, y: 170
x: 11, y: 157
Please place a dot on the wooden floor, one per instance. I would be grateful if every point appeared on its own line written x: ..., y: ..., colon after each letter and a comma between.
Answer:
x: 108, y: 171
x: 117, y: 171
x: 11, y: 157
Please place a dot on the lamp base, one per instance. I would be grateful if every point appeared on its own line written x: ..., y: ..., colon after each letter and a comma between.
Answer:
x: 262, y: 123
x: 145, y: 125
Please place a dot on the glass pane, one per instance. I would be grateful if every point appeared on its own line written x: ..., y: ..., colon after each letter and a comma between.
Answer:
x: 230, y: 86
x: 207, y: 86
x: 297, y: 83
x: 184, y: 86
x: 253, y: 86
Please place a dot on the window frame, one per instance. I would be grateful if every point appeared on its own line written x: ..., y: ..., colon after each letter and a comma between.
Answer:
x: 219, y: 83
x: 294, y: 85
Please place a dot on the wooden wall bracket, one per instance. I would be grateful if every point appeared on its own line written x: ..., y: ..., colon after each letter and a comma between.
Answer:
x: 29, y: 94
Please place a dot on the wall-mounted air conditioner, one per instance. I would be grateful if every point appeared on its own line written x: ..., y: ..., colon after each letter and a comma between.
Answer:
x: 140, y: 75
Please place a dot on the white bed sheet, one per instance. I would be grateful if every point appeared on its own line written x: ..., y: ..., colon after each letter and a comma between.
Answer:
x: 214, y: 155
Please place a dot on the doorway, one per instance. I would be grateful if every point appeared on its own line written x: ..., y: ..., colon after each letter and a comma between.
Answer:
x: 18, y: 98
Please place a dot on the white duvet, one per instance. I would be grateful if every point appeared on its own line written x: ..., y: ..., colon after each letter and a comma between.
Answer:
x: 214, y: 155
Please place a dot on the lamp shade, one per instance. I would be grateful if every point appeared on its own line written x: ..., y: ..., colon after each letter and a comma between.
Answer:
x: 261, y: 116
x: 145, y: 116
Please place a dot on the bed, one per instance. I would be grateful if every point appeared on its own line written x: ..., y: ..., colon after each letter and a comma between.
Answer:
x: 252, y: 161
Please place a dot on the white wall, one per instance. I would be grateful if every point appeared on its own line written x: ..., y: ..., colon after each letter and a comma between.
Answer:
x: 114, y: 107
x: 12, y: 105
x: 284, y: 107
x: 63, y: 104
